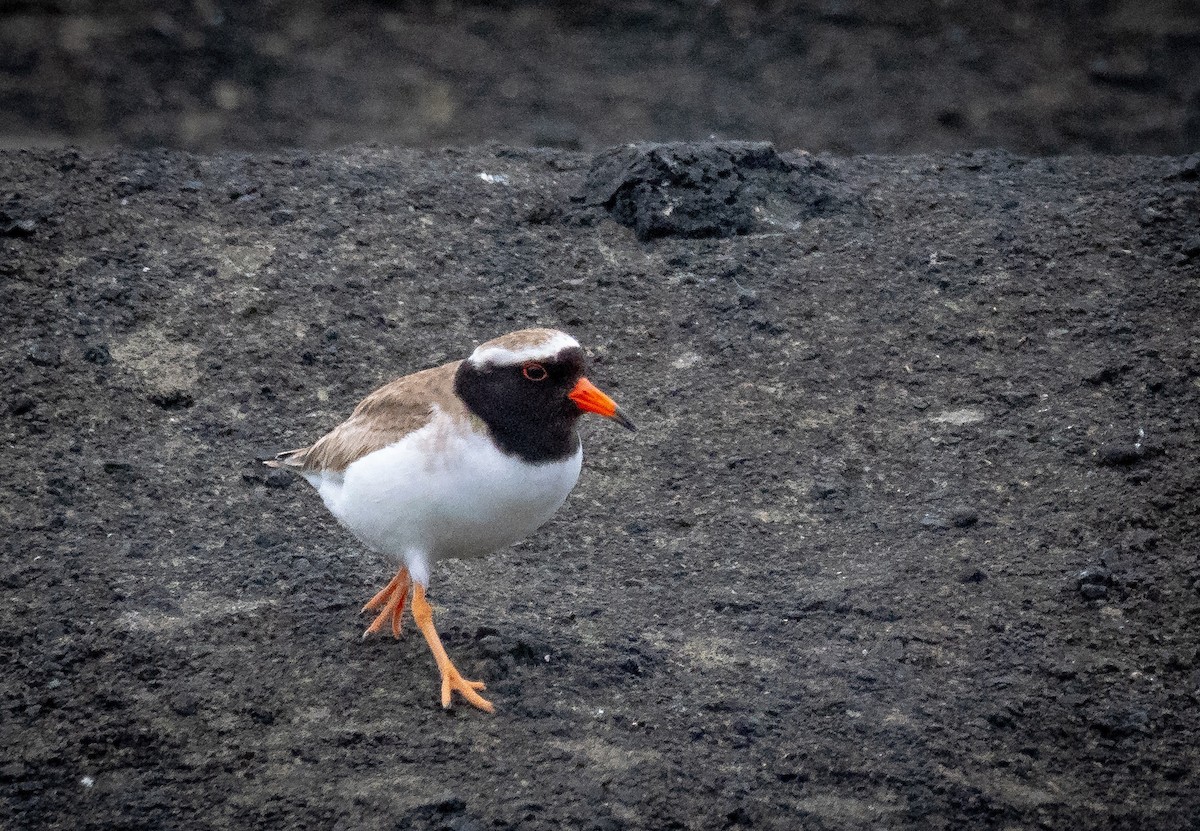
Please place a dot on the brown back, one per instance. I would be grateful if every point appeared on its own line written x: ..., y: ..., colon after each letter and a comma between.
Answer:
x: 382, y: 418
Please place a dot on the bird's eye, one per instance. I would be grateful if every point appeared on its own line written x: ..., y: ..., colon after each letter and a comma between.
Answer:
x: 534, y: 372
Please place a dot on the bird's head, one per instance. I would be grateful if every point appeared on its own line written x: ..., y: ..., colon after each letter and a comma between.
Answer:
x: 532, y: 382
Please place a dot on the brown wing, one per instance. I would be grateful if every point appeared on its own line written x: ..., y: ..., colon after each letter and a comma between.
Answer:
x: 382, y: 418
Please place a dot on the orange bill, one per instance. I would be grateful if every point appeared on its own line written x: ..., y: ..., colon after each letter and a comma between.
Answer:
x: 589, y: 398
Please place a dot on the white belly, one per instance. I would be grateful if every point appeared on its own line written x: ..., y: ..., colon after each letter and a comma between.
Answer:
x: 443, y: 491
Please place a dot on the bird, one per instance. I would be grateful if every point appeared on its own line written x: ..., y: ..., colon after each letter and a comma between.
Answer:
x: 456, y: 461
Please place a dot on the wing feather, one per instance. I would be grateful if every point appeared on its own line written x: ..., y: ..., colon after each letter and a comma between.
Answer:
x: 382, y: 418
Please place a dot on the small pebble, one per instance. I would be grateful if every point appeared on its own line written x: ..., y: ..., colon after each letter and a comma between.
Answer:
x: 964, y: 518
x: 97, y: 354
x: 40, y: 354
x: 280, y: 479
x: 823, y: 490
x: 1094, y: 575
x: 18, y: 228
x: 268, y: 539
x: 1119, y: 456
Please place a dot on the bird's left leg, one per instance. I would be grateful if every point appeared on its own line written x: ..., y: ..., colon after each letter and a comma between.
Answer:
x: 391, y: 597
x: 452, y: 680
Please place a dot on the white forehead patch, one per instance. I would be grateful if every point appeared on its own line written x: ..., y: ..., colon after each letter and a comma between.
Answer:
x: 497, y: 355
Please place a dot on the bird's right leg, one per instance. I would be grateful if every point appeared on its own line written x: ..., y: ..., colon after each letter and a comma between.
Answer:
x: 452, y: 680
x: 391, y: 597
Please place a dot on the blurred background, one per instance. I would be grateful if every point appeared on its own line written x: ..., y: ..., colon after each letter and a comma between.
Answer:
x: 851, y: 76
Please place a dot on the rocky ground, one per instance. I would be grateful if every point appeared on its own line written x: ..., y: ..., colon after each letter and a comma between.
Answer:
x: 907, y: 537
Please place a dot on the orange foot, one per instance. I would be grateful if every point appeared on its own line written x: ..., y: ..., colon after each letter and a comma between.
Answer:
x: 391, y: 597
x: 452, y: 680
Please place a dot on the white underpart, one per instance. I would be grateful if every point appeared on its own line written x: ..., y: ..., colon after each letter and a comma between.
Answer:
x: 444, y: 491
x: 501, y: 356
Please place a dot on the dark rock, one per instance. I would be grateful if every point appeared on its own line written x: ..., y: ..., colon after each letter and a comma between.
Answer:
x: 1094, y: 575
x: 140, y: 180
x: 1178, y: 663
x: 1103, y: 374
x: 18, y: 228
x: 1191, y: 247
x: 185, y: 704
x: 952, y: 119
x: 41, y: 354
x: 1119, y: 456
x: 1188, y: 169
x: 122, y: 473
x: 739, y: 816
x: 443, y: 803
x: 793, y: 775
x: 279, y: 479
x: 1003, y: 717
x: 824, y: 490
x: 1062, y: 671
x: 1092, y: 591
x: 21, y: 405
x: 964, y: 518
x: 269, y: 539
x: 975, y: 576
x: 708, y: 189
x: 113, y: 292
x: 525, y: 653
x: 172, y: 400
x: 97, y: 354
x: 12, y: 771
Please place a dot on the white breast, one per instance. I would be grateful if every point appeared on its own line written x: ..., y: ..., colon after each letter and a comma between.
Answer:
x: 445, y: 491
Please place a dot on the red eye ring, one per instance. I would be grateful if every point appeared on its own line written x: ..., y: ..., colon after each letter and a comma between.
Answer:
x: 534, y: 371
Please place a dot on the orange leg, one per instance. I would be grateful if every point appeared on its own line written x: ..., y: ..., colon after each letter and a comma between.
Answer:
x: 391, y: 597
x: 451, y: 679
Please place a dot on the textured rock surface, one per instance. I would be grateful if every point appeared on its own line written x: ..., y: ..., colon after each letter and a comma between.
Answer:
x: 832, y: 582
x: 711, y: 189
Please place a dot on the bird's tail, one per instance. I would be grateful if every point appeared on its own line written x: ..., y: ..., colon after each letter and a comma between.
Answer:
x: 289, y: 459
